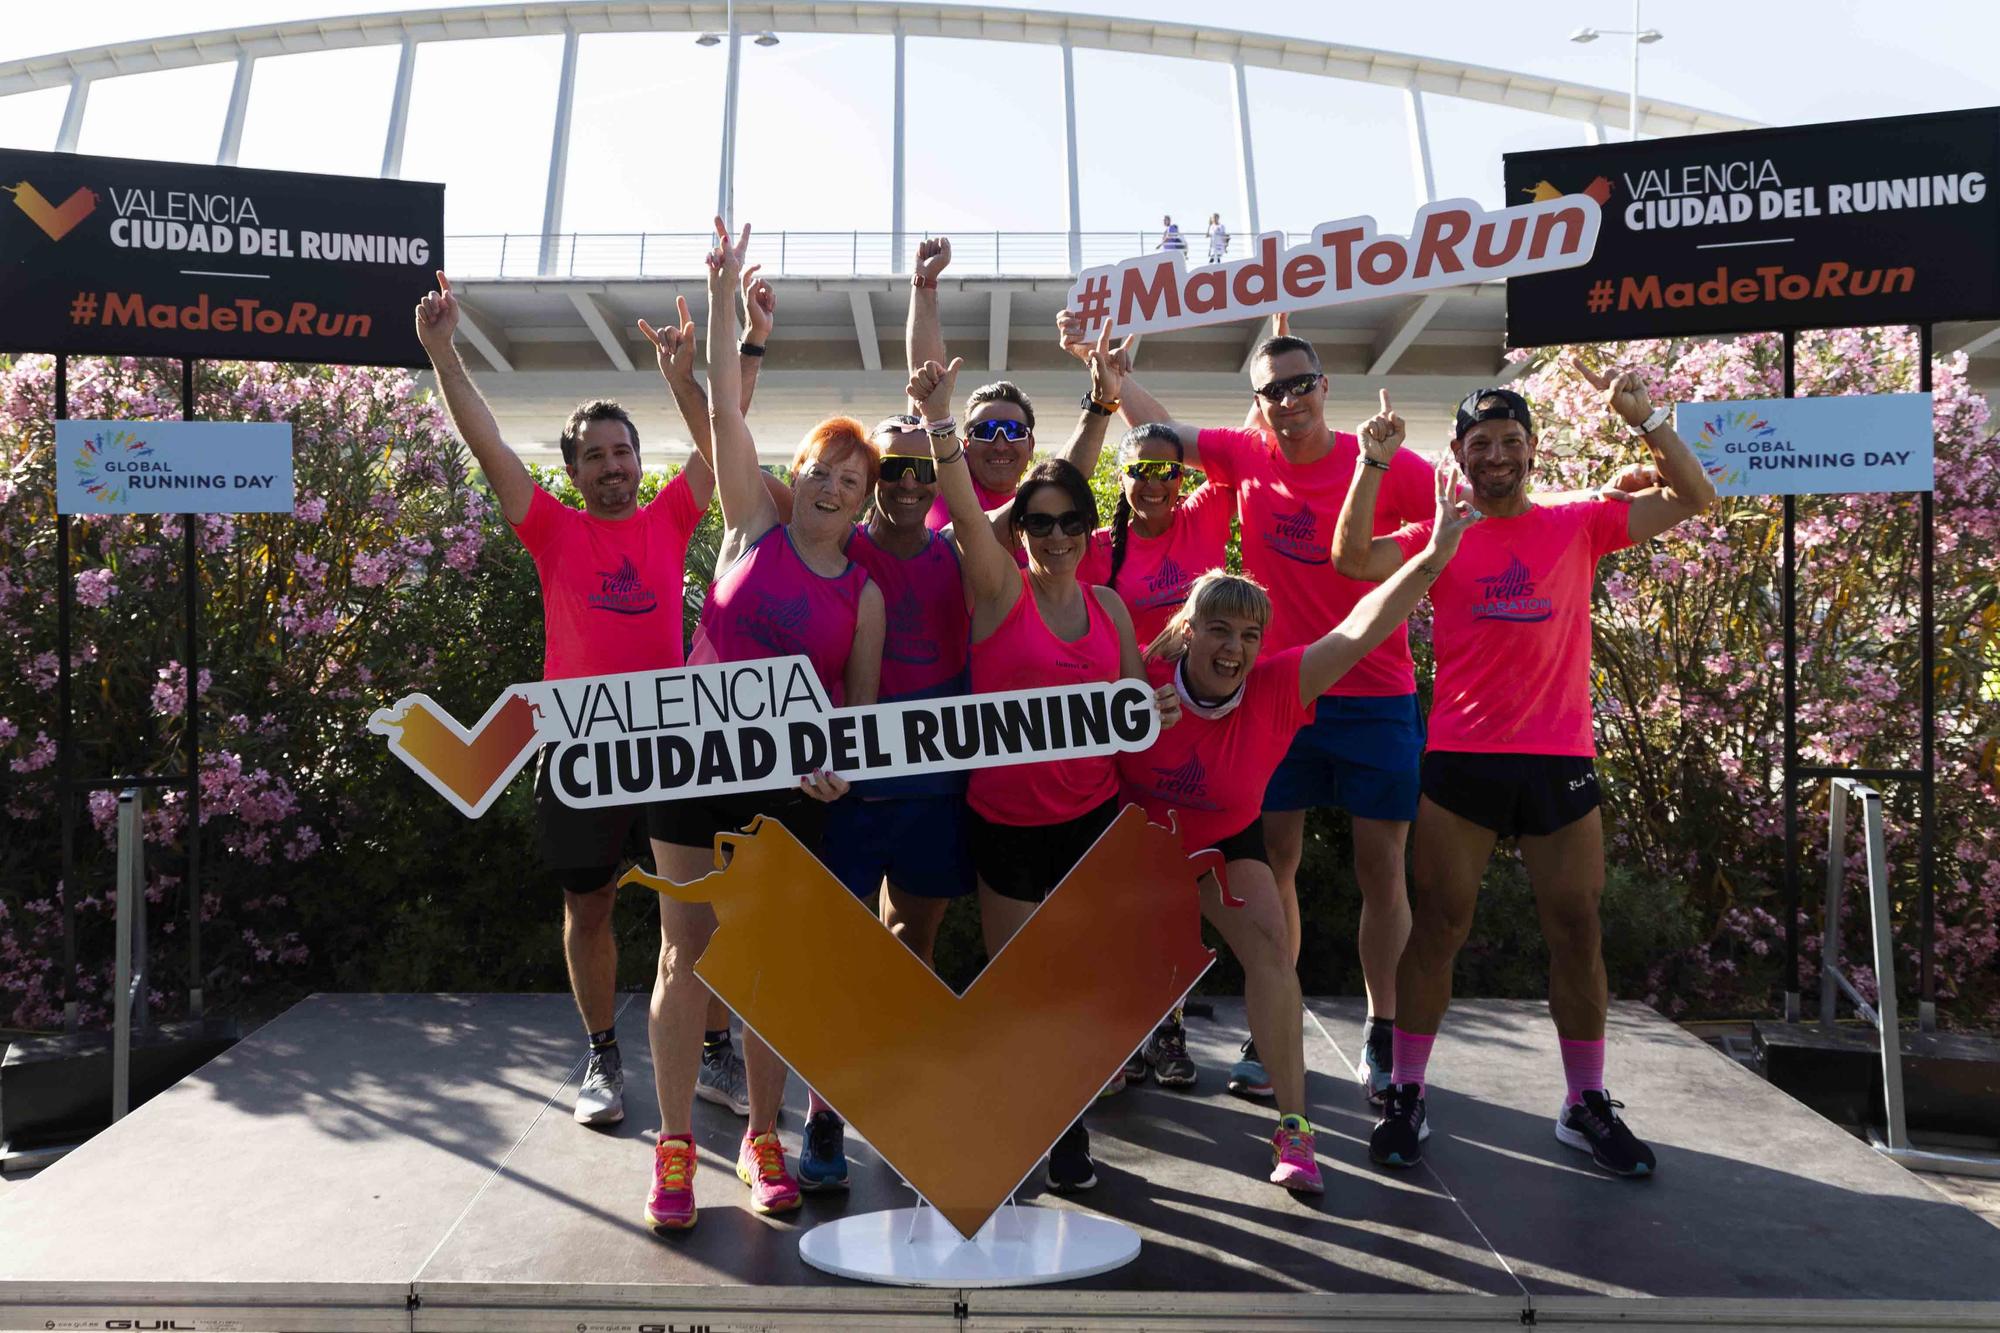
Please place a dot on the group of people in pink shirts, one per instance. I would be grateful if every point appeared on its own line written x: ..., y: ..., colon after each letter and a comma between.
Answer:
x: 931, y: 555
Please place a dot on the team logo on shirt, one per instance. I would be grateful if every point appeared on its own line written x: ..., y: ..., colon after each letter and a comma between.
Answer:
x: 773, y: 623
x: 1510, y: 595
x: 1166, y: 586
x: 1295, y: 536
x: 1185, y: 784
x: 908, y: 640
x: 623, y: 591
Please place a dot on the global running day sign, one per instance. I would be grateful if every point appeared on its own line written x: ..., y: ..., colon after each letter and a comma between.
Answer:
x: 173, y: 467
x: 1454, y: 243
x: 1860, y: 443
x: 109, y: 255
x: 1864, y: 222
x: 744, y: 726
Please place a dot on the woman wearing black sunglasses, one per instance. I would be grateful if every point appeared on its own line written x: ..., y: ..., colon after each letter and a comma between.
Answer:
x: 1032, y: 627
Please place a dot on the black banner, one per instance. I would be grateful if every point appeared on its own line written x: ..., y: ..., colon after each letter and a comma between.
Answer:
x: 1865, y: 222
x: 120, y: 257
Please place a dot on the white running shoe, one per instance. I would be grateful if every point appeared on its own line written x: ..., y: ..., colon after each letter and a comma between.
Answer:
x: 601, y: 1099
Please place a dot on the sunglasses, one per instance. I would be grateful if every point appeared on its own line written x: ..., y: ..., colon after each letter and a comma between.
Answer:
x: 1074, y: 523
x: 1154, y: 469
x: 1298, y: 386
x: 990, y: 430
x: 896, y: 466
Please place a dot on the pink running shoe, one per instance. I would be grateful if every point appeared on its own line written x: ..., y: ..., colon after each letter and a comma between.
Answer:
x: 760, y: 1164
x: 671, y: 1204
x: 1293, y: 1164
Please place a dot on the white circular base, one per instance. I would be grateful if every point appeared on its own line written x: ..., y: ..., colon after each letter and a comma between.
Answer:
x: 1018, y: 1247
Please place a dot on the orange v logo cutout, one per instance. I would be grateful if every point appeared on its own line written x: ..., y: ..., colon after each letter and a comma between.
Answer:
x: 56, y: 221
x: 908, y: 1063
x: 467, y: 768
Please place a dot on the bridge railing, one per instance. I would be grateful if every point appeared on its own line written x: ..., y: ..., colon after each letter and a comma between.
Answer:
x: 813, y: 254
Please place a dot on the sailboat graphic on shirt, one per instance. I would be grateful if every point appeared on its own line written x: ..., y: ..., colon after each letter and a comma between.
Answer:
x: 1185, y: 784
x: 623, y: 591
x: 1510, y: 595
x: 1295, y: 536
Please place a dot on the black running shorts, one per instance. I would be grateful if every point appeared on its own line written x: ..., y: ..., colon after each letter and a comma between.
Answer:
x: 694, y: 822
x: 1515, y: 795
x: 1026, y: 861
x: 583, y: 848
x: 1246, y: 844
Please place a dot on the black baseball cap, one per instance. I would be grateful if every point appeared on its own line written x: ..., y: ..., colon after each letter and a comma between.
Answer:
x: 1493, y: 405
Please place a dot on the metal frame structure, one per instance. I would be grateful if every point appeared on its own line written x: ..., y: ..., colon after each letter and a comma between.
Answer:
x: 1882, y: 1014
x: 1415, y: 75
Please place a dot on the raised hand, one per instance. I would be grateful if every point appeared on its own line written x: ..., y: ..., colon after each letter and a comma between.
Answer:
x: 725, y: 261
x: 1069, y: 332
x: 1168, y: 700
x: 1108, y: 365
x: 673, y: 344
x: 1382, y: 434
x: 437, y: 319
x: 933, y: 255
x: 1281, y: 324
x: 1624, y: 391
x: 1630, y: 481
x: 931, y: 387
x: 1453, y: 515
x: 760, y: 304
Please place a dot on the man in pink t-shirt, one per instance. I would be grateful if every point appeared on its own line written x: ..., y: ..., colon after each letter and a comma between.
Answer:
x: 1511, y: 743
x: 1363, y: 749
x: 611, y: 579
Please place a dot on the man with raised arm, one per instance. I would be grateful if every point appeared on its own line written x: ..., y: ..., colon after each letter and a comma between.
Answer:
x: 1362, y: 749
x: 611, y: 579
x: 999, y: 425
x: 1511, y: 742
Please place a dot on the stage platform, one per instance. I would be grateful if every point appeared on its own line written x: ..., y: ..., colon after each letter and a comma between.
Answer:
x: 408, y: 1163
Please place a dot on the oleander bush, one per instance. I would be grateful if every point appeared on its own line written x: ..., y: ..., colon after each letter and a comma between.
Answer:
x: 328, y: 865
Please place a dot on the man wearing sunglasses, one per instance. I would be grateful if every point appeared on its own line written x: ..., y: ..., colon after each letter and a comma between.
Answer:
x: 1511, y: 735
x: 1363, y: 749
x: 999, y: 425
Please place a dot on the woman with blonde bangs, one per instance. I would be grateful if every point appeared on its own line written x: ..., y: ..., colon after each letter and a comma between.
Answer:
x: 782, y: 588
x: 1238, y: 713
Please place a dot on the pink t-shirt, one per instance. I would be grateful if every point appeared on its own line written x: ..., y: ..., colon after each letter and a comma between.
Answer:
x: 1022, y: 654
x: 924, y: 646
x: 1157, y: 572
x: 1512, y: 628
x: 940, y: 515
x: 1211, y: 773
x: 611, y: 588
x: 1289, y: 511
x: 770, y: 603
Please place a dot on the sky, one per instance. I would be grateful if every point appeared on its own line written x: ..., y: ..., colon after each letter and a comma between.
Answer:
x: 985, y: 118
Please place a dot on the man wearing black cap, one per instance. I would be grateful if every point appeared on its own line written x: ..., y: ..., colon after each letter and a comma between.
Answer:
x: 1510, y: 745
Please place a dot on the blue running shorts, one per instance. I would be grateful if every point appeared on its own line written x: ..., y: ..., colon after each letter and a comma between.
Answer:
x: 1362, y: 754
x: 917, y: 842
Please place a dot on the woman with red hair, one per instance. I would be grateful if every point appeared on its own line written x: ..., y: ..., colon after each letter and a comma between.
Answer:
x: 781, y: 589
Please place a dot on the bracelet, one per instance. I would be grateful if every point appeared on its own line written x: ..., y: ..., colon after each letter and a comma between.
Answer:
x: 922, y: 283
x: 750, y: 348
x: 1659, y: 417
x: 942, y: 426
x: 1366, y: 461
x: 1097, y: 409
x: 951, y: 457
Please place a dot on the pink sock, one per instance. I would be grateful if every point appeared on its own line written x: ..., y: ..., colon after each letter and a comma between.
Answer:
x: 1583, y: 1067
x: 1412, y: 1055
x: 815, y: 1103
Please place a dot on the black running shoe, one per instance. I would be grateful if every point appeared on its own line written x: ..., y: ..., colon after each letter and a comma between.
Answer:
x: 1399, y: 1135
x: 1070, y: 1167
x: 1166, y: 1051
x: 1593, y: 1126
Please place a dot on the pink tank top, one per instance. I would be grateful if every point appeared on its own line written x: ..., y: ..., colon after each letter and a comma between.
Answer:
x: 771, y: 604
x: 1022, y: 654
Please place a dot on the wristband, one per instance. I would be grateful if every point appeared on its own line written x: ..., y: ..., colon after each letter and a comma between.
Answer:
x: 942, y: 426
x: 750, y: 348
x: 1659, y: 418
x: 1097, y: 409
x: 922, y: 283
x: 951, y: 457
x: 1366, y: 461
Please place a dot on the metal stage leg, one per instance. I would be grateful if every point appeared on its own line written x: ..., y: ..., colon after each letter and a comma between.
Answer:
x: 130, y: 987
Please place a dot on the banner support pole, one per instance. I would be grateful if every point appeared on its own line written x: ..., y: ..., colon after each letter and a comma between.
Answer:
x: 1787, y: 598
x: 1927, y: 792
x: 190, y: 580
x: 65, y: 739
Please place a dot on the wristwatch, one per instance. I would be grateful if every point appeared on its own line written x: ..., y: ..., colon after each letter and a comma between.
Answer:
x: 1097, y: 409
x: 748, y: 348
x: 1659, y: 418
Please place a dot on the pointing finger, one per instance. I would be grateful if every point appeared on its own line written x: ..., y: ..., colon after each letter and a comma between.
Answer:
x: 681, y: 305
x: 652, y: 334
x: 1595, y: 380
x: 1386, y: 409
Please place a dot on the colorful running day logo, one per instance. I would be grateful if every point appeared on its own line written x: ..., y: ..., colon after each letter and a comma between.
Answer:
x: 173, y: 467
x: 1857, y: 444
